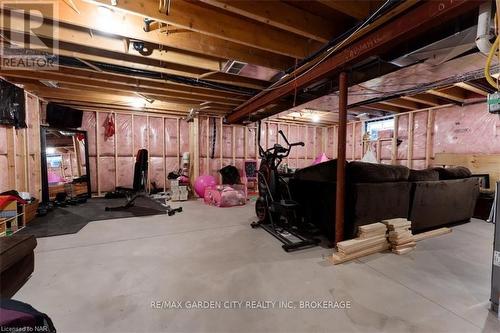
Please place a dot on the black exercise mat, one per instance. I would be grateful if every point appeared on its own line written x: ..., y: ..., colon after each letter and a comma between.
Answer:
x: 71, y: 219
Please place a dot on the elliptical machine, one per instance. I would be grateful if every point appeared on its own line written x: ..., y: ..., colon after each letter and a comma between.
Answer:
x: 278, y: 214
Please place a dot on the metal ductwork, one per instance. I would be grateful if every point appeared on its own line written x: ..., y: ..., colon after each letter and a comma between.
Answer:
x: 484, y: 35
x: 442, y: 50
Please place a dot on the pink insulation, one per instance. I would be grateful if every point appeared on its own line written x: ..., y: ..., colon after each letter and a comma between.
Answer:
x: 466, y: 130
x: 3, y: 140
x: 123, y: 125
x: 184, y: 136
x: 202, y: 139
x: 358, y: 141
x: 125, y: 170
x: 4, y: 177
x: 272, y: 134
x: 331, y: 144
x: 349, y: 143
x: 419, y: 136
x: 106, y: 174
x: 156, y: 171
x: 293, y: 136
x: 156, y: 137
x: 403, y: 136
x: 140, y: 133
x: 251, y: 143
x: 227, y: 141
x: 386, y: 150
x: 319, y: 141
x: 239, y: 136
x: 310, y: 144
x: 171, y: 139
x: 106, y: 145
x: 89, y: 125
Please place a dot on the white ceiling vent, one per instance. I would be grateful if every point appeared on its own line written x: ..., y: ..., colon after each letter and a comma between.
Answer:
x: 234, y: 67
x: 50, y: 84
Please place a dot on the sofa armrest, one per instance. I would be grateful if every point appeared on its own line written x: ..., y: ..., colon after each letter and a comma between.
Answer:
x: 438, y: 203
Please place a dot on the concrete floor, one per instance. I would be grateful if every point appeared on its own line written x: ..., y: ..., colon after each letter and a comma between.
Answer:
x: 104, y: 279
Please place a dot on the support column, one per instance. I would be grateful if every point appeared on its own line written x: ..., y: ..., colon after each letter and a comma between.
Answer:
x: 341, y: 158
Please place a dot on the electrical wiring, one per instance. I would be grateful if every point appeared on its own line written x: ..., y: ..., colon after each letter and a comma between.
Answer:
x: 329, y: 52
x: 487, y: 73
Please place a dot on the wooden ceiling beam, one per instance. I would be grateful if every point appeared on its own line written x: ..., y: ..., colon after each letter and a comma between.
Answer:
x: 283, y: 16
x: 357, y: 9
x: 222, y: 25
x: 425, y: 99
x: 108, y: 86
x: 402, y: 103
x: 104, y: 98
x: 148, y: 64
x: 408, y: 24
x: 74, y: 35
x: 93, y: 106
x: 126, y: 25
x: 71, y: 74
x: 454, y: 94
x: 383, y: 107
x: 471, y: 88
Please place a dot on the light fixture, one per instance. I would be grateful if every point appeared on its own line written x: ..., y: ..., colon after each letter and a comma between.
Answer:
x: 104, y: 19
x: 138, y: 103
x: 315, y: 118
x: 50, y: 150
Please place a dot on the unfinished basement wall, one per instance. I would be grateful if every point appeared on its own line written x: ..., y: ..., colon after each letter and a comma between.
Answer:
x: 112, y: 159
x: 20, y: 153
x: 442, y: 136
x: 221, y: 144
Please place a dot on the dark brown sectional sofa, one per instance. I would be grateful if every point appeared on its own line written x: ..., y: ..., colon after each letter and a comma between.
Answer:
x: 17, y: 261
x: 429, y: 198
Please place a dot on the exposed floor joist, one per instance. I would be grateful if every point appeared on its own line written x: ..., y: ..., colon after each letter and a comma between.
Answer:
x: 222, y: 25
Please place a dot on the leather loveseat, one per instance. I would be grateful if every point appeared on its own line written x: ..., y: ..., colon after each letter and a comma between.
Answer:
x: 429, y: 198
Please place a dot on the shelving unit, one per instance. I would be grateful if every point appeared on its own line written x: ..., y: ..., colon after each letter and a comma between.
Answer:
x: 15, y: 222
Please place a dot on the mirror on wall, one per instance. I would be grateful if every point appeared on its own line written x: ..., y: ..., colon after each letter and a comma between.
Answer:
x: 65, y: 166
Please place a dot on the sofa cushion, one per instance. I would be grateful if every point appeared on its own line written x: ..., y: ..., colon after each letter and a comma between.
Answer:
x: 423, y: 175
x: 361, y: 172
x: 458, y: 172
x: 323, y: 172
x: 438, y: 203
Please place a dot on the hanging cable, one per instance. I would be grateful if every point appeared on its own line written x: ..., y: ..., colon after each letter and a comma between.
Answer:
x: 487, y: 73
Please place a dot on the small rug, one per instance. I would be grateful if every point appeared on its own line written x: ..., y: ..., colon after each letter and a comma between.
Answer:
x: 71, y: 219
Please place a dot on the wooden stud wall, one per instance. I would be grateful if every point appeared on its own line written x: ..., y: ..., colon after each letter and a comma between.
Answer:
x: 396, y: 156
x: 22, y: 153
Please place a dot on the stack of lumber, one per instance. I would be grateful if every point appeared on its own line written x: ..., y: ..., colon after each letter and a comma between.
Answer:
x: 371, y: 239
x: 400, y: 235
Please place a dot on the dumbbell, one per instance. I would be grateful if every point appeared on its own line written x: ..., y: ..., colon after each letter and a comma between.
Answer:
x: 172, y: 211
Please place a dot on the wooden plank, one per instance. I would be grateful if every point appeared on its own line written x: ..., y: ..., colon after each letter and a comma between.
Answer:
x: 130, y: 26
x: 394, y: 151
x: 410, y: 141
x: 428, y: 137
x: 163, y: 149
x: 357, y: 9
x: 355, y: 245
x: 477, y: 163
x: 290, y: 18
x: 11, y: 157
x: 430, y: 234
x: 115, y: 141
x: 222, y: 25
x: 98, y: 174
x: 336, y: 258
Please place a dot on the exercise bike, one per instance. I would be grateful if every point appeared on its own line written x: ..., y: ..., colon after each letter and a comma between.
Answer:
x: 277, y: 213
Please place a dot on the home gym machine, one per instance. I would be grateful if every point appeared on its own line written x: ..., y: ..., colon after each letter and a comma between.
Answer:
x: 278, y: 214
